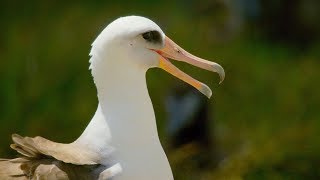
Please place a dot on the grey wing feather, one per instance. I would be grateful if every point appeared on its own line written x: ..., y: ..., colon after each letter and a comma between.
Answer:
x: 38, y: 162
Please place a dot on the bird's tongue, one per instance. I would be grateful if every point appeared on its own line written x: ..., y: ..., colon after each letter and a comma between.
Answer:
x: 173, y: 51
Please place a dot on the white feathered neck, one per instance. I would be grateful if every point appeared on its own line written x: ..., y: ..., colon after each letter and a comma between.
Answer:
x: 124, y: 118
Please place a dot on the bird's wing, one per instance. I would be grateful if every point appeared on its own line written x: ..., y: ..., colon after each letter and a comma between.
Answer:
x: 10, y: 171
x: 49, y: 169
x: 44, y: 159
x: 38, y: 147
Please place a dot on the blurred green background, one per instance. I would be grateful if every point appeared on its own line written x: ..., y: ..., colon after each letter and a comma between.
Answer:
x: 266, y: 112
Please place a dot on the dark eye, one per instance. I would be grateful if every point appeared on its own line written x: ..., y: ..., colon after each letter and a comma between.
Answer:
x: 147, y: 36
x: 152, y: 36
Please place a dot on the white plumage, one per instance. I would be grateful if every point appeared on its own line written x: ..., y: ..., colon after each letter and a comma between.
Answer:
x: 122, y: 134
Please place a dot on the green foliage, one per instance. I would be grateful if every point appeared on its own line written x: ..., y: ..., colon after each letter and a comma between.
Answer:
x: 266, y: 111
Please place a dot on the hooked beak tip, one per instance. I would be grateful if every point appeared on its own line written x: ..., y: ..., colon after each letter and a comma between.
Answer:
x: 219, y: 69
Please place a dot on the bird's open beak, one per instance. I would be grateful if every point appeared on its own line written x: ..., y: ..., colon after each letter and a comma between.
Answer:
x: 172, y: 51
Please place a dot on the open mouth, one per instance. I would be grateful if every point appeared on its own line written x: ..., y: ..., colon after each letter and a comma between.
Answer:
x: 172, y: 51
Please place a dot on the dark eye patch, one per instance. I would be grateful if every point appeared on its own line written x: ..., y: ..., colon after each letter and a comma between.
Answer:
x: 152, y: 36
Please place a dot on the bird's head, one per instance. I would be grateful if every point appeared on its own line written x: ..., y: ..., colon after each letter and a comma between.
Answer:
x: 143, y: 43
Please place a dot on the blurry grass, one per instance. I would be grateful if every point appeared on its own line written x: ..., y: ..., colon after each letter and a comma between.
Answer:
x: 266, y: 111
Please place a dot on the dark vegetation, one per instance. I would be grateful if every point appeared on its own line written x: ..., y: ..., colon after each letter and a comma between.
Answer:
x: 265, y: 115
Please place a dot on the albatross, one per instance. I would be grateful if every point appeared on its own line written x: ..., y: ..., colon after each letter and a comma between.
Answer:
x: 121, y: 141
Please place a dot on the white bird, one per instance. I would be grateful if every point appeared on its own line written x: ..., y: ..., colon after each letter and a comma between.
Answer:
x: 121, y: 140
